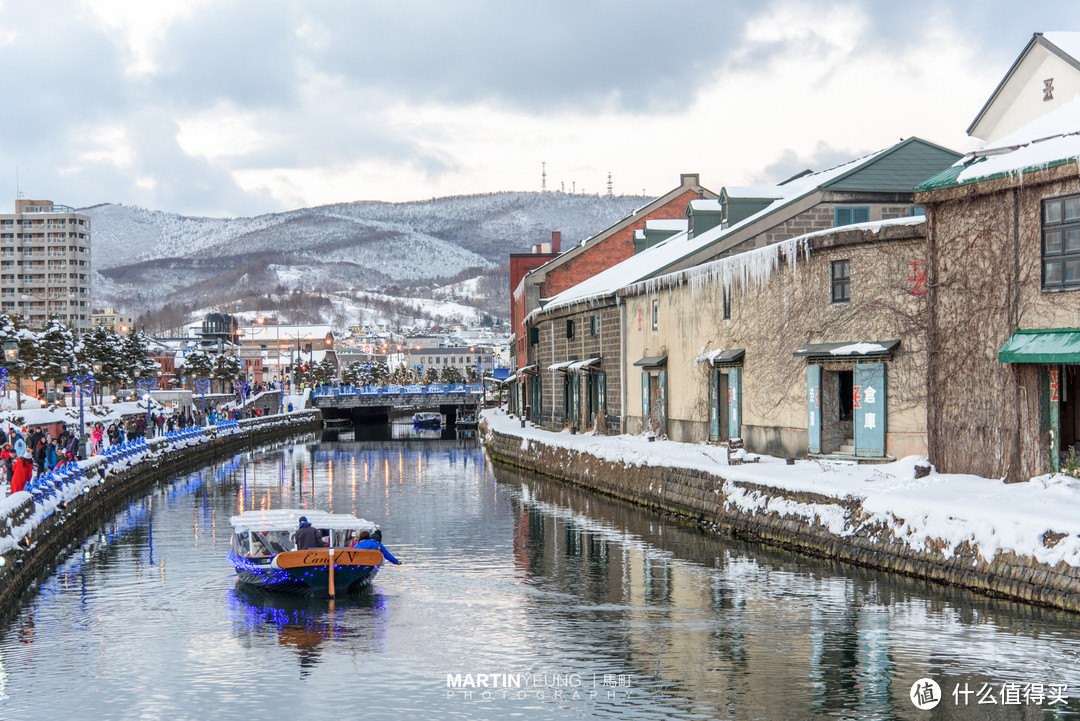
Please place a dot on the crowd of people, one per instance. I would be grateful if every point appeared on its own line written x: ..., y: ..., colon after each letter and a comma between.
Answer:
x: 27, y: 452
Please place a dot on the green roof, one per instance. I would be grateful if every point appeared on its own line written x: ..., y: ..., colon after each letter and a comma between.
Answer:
x: 948, y: 178
x: 1056, y: 345
x: 899, y: 170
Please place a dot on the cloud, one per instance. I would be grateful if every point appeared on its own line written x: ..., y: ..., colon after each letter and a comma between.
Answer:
x: 240, y: 106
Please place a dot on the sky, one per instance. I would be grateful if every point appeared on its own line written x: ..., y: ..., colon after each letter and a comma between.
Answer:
x: 241, y: 107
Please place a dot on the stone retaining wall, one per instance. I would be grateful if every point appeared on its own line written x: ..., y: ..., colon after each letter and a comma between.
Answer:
x: 55, y: 537
x: 714, y: 502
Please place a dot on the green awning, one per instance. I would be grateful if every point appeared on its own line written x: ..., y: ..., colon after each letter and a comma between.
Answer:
x: 652, y: 361
x: 1056, y: 345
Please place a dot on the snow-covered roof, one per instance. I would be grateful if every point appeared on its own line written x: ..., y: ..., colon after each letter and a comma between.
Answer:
x: 270, y: 333
x: 754, y: 191
x: 754, y: 267
x: 704, y: 204
x: 666, y: 224
x: 1049, y: 140
x: 653, y: 260
x: 288, y: 519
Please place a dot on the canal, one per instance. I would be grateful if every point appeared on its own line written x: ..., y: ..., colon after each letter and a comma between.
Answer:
x: 518, y: 597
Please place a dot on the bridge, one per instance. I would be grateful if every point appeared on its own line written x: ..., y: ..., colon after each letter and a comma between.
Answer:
x: 372, y: 404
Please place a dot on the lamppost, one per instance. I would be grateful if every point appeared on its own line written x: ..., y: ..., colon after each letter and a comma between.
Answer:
x: 261, y: 320
x: 84, y: 384
x: 480, y: 369
x: 11, y: 356
x: 292, y: 366
x: 146, y: 385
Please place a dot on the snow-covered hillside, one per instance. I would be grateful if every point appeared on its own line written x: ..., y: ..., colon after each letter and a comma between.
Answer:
x: 146, y: 259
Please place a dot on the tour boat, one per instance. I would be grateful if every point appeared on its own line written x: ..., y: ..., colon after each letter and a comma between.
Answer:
x: 466, y: 417
x: 264, y: 555
x: 427, y: 419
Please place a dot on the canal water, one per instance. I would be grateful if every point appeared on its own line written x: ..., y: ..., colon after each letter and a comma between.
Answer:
x: 518, y: 598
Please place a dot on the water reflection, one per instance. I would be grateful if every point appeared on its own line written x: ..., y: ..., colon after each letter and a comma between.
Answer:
x: 505, y: 573
x: 715, y: 626
x: 304, y: 626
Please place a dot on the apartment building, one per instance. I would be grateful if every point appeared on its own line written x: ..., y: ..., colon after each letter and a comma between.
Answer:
x: 109, y: 318
x: 45, y: 264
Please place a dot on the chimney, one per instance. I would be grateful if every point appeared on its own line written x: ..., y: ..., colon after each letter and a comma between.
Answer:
x: 689, y: 179
x: 556, y: 241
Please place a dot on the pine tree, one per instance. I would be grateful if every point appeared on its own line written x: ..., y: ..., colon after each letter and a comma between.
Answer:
x: 135, y: 354
x: 101, y: 351
x: 379, y: 373
x: 53, y: 358
x: 227, y: 368
x: 197, y: 365
x: 354, y: 374
x: 325, y: 371
x: 451, y: 374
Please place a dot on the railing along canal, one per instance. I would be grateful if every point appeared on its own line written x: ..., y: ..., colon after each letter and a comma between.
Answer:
x: 398, y: 390
x: 54, y: 492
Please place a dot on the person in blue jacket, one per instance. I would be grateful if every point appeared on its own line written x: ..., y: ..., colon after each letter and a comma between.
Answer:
x: 364, y: 540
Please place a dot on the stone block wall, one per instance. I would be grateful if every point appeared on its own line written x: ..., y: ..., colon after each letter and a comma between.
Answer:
x: 709, y: 499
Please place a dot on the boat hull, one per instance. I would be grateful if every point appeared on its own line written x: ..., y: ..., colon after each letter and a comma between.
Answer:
x: 303, y: 580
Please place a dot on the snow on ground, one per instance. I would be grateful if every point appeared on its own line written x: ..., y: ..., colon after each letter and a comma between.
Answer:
x: 988, y: 514
x: 435, y: 308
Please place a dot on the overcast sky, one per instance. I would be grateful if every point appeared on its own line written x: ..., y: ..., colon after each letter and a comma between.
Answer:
x: 240, y: 107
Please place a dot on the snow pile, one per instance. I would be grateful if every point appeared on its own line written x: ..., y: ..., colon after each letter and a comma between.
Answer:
x: 858, y: 349
x: 946, y: 513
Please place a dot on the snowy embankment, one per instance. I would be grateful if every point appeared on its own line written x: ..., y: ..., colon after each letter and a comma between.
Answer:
x: 23, y: 512
x: 941, y: 513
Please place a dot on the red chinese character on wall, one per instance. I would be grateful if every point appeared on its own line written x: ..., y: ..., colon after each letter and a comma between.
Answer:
x: 639, y: 317
x: 1053, y: 385
x: 856, y: 391
x: 918, y: 275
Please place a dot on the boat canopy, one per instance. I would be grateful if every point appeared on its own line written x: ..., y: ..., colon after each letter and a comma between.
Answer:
x: 288, y: 519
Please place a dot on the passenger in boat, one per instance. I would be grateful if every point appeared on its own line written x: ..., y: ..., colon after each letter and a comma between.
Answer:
x: 306, y: 536
x: 366, y: 541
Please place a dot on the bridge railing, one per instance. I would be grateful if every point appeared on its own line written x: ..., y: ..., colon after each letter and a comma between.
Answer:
x: 396, y: 390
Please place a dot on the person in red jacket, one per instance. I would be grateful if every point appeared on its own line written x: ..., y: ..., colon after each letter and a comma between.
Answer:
x: 24, y: 469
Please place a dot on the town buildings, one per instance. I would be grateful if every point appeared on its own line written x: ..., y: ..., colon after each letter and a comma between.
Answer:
x: 111, y: 320
x: 566, y: 270
x: 930, y: 304
x: 45, y: 264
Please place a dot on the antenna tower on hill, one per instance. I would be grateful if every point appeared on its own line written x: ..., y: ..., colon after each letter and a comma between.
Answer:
x: 609, y: 186
x: 543, y: 176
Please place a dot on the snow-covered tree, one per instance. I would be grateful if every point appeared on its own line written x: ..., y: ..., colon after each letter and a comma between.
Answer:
x: 227, y: 368
x: 355, y: 374
x: 451, y: 374
x: 379, y: 373
x: 103, y: 348
x: 53, y: 356
x: 431, y: 375
x: 324, y: 371
x: 197, y: 364
x: 135, y: 354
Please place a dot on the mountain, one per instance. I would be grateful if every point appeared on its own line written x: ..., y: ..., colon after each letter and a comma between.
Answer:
x: 145, y: 260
